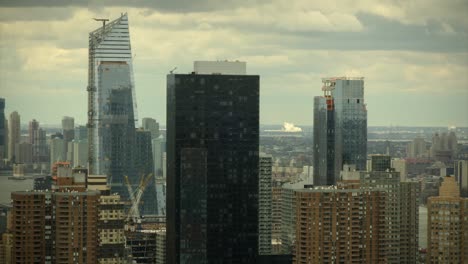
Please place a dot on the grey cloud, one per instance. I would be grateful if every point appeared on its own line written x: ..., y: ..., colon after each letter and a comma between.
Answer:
x: 175, y: 6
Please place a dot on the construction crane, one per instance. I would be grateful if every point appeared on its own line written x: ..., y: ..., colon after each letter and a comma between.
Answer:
x: 104, y: 20
x: 135, y: 196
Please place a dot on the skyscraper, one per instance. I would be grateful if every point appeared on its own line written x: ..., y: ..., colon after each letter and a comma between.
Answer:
x: 14, y: 136
x: 111, y: 104
x: 447, y: 227
x: 151, y: 125
x: 68, y: 130
x: 144, y: 166
x: 265, y: 202
x: 3, y: 143
x: 340, y: 128
x: 212, y: 168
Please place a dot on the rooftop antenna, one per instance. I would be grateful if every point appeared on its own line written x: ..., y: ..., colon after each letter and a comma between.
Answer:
x: 171, y: 71
x: 103, y: 21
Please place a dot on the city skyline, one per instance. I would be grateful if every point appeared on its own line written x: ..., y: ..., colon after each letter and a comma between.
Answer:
x: 413, y: 61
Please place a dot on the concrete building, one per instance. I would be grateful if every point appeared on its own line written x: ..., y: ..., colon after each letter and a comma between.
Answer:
x: 24, y: 153
x: 45, y: 228
x: 340, y: 128
x: 400, y: 230
x: 447, y: 227
x: 80, y: 153
x: 57, y: 150
x: 379, y: 162
x: 14, y: 135
x: 461, y: 176
x: 417, y: 149
x: 161, y: 246
x: 212, y: 167
x: 150, y: 124
x: 68, y: 130
x: 264, y: 205
x: 158, y: 147
x: 339, y: 225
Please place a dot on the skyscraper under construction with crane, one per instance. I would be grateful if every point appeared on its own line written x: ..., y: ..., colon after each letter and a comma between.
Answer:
x: 340, y: 128
x: 112, y: 109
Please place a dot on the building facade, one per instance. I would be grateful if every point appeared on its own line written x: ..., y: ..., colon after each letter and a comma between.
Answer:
x: 340, y: 128
x: 212, y: 168
x: 112, y: 104
x: 14, y: 135
x: 3, y: 132
x: 264, y: 205
x: 461, y: 175
x: 447, y: 227
x: 338, y: 225
x: 45, y: 227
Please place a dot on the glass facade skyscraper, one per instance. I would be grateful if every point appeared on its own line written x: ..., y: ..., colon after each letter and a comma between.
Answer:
x: 340, y: 128
x: 212, y: 168
x: 111, y: 104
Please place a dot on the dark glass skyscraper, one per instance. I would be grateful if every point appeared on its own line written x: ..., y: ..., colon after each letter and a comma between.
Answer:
x: 212, y: 168
x: 340, y: 128
x: 3, y: 131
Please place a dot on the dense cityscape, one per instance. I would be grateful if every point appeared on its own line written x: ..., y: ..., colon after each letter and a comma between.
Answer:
x: 213, y: 185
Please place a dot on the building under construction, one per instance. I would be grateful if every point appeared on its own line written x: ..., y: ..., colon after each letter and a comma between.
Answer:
x: 112, y: 111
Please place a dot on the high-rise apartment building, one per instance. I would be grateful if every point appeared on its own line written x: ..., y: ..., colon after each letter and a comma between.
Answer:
x: 14, y: 135
x: 55, y: 227
x: 338, y: 225
x: 212, y: 167
x: 340, y: 128
x: 447, y: 227
x: 112, y: 104
x: 264, y: 205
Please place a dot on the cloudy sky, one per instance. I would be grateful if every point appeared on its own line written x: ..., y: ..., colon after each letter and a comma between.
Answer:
x: 412, y: 53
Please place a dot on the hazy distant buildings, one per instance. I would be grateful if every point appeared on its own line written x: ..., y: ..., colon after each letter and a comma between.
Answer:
x: 340, y: 128
x: 80, y: 153
x: 14, y: 135
x: 81, y: 133
x: 37, y: 138
x: 212, y: 167
x: 447, y: 227
x: 57, y: 150
x: 111, y: 104
x: 417, y: 148
x: 158, y: 148
x: 150, y: 124
x: 444, y: 147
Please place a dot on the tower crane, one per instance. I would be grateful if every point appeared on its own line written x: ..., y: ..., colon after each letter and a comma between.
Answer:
x: 135, y: 196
